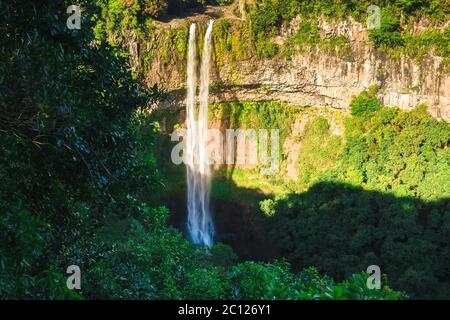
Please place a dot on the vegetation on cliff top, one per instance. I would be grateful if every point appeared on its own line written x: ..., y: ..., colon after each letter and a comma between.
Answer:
x: 395, y: 35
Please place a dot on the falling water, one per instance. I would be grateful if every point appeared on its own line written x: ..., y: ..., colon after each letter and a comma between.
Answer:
x: 200, y: 224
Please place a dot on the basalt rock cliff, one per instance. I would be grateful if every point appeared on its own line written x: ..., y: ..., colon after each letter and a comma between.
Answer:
x: 313, y: 76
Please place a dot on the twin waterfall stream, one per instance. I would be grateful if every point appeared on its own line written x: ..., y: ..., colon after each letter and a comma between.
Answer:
x: 200, y: 224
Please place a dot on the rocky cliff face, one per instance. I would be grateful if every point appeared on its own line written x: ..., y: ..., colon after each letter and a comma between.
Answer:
x: 312, y: 77
x: 317, y: 78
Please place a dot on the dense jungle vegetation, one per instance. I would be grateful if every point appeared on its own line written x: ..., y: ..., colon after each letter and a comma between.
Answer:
x: 81, y: 182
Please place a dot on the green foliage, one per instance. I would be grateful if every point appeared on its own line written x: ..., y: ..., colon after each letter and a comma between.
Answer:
x: 432, y: 9
x: 254, y: 115
x: 206, y: 284
x: 154, y: 8
x: 220, y: 2
x: 319, y: 151
x: 267, y: 206
x: 307, y: 34
x: 378, y: 194
x: 179, y: 6
x: 389, y: 34
x: 118, y: 15
x: 116, y: 18
x: 268, y: 16
x: 274, y: 281
x: 364, y: 104
x: 339, y: 225
x: 258, y: 281
x: 222, y: 255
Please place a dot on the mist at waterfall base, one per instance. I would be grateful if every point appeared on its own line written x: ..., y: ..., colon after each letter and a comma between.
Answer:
x: 198, y: 172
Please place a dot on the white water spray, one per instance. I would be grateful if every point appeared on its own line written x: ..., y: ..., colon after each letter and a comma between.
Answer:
x: 200, y: 224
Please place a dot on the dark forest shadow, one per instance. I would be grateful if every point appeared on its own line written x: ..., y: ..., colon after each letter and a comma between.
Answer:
x: 342, y: 229
x: 337, y: 228
x: 174, y: 12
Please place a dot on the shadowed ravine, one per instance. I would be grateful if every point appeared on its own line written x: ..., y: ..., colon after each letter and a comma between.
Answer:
x: 326, y: 227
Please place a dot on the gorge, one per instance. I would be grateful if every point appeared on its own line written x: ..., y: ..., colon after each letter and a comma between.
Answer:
x: 294, y: 91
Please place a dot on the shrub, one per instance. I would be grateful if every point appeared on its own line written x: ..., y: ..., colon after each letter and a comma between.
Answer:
x: 389, y: 34
x: 364, y: 104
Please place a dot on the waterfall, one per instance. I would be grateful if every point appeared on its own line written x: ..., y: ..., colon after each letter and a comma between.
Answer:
x: 198, y: 171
